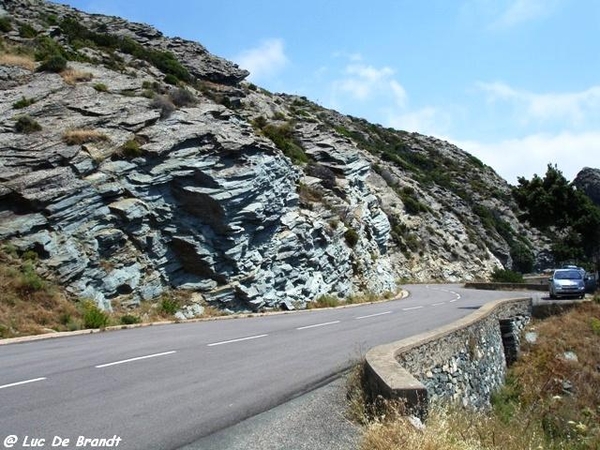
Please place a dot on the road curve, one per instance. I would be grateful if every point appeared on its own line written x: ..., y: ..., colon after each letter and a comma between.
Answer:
x: 162, y: 387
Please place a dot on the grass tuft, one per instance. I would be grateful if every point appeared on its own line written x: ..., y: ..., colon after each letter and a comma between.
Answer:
x: 23, y: 61
x: 27, y: 125
x: 72, y: 76
x: 83, y: 136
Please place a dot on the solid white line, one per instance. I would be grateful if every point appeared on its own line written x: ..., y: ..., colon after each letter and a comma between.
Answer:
x: 373, y: 315
x: 18, y: 383
x: 438, y: 304
x: 318, y: 325
x: 238, y: 340
x: 134, y: 359
x: 412, y: 308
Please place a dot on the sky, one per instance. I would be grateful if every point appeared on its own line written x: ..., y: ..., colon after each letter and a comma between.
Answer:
x: 514, y: 82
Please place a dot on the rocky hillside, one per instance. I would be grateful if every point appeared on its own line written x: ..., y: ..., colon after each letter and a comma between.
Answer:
x: 133, y: 163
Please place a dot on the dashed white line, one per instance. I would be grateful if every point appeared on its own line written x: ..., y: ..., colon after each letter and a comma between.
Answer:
x: 19, y: 383
x: 123, y: 361
x: 324, y: 324
x: 452, y: 301
x: 231, y: 341
x: 412, y: 308
x: 438, y: 304
x: 373, y: 315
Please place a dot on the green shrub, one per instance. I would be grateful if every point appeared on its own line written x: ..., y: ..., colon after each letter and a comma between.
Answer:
x: 29, y: 280
x: 169, y: 305
x: 506, y: 276
x: 93, y: 317
x: 171, y: 79
x: 164, y: 61
x: 283, y: 138
x: 163, y: 103
x: 131, y: 149
x: 325, y: 301
x: 595, y: 325
x: 30, y: 255
x: 351, y: 236
x: 523, y: 258
x: 182, y: 97
x: 130, y: 319
x: 259, y: 122
x: 101, y: 87
x: 23, y: 103
x: 5, y: 25
x: 26, y: 125
x: 27, y: 31
x: 46, y: 47
x: 411, y: 203
x: 55, y: 63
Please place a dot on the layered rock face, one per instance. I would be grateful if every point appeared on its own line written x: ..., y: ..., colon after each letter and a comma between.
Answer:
x: 132, y: 186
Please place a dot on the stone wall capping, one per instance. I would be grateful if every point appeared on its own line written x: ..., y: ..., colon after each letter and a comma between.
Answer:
x: 387, y: 376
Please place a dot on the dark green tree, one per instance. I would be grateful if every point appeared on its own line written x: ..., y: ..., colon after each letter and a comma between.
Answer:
x: 565, y: 214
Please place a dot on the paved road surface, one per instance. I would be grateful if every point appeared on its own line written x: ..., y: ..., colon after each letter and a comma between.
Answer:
x: 163, y: 387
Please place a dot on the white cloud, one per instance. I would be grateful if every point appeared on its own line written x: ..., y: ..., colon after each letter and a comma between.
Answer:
x: 500, y: 15
x: 531, y: 154
x: 520, y: 11
x: 575, y: 107
x: 363, y: 82
x: 263, y: 61
x: 428, y: 120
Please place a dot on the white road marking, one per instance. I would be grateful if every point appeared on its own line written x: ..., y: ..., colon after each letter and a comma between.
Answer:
x: 412, y: 308
x: 19, y: 383
x: 452, y: 301
x: 438, y: 304
x: 135, y: 359
x: 231, y: 341
x: 318, y: 325
x: 373, y: 315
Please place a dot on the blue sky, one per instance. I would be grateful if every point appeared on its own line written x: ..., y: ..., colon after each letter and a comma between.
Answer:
x: 514, y: 82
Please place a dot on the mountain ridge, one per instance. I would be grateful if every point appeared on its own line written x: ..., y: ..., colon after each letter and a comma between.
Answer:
x: 157, y: 167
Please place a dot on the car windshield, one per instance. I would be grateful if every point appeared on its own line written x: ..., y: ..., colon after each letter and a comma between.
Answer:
x: 568, y: 275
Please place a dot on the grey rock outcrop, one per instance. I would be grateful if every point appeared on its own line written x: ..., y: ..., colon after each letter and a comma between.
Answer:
x: 179, y: 187
x: 588, y: 181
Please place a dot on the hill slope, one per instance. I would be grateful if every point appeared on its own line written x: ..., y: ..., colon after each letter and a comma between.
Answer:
x: 133, y: 163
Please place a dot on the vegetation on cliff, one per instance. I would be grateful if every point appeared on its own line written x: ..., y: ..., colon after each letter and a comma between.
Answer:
x: 564, y: 213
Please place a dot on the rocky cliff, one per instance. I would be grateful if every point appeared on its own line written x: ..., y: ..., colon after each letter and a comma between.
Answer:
x: 588, y: 181
x: 133, y: 163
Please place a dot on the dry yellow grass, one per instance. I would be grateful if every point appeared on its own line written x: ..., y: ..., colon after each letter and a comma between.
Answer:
x: 29, y: 304
x: 72, y: 76
x: 82, y: 136
x: 23, y: 61
x: 549, y: 402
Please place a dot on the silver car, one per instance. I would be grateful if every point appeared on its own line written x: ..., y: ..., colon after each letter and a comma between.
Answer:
x: 567, y: 283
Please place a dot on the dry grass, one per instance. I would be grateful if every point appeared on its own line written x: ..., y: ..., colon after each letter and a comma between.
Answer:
x: 548, y: 402
x: 448, y: 429
x: 72, y: 76
x: 24, y: 61
x: 83, y: 136
x: 29, y: 304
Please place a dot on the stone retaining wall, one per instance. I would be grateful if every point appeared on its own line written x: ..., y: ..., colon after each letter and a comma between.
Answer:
x: 462, y: 362
x: 543, y: 287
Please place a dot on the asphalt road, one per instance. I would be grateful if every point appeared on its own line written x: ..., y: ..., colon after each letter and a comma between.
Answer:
x: 163, y: 387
